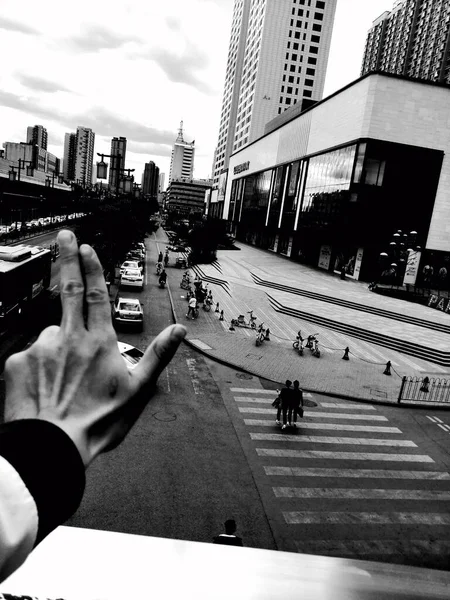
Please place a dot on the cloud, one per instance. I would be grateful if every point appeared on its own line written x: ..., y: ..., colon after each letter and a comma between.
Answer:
x: 183, y: 68
x: 173, y: 23
x: 150, y: 148
x: 41, y: 85
x: 16, y: 26
x: 99, y: 119
x: 95, y: 38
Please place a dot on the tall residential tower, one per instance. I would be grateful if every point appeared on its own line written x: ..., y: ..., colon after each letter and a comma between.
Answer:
x: 118, y: 154
x: 37, y: 135
x: 182, y: 159
x: 413, y: 40
x: 85, y: 139
x: 278, y: 56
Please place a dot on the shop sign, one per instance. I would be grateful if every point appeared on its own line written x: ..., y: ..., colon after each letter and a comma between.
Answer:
x: 358, y: 261
x: 242, y: 167
x: 439, y: 303
x: 222, y: 186
x: 412, y: 268
x: 324, y: 257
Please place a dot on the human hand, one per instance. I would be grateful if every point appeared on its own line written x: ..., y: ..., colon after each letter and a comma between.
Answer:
x: 74, y: 375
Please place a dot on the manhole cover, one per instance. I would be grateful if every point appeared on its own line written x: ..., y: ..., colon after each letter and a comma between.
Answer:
x: 309, y: 403
x: 165, y: 416
x: 244, y: 376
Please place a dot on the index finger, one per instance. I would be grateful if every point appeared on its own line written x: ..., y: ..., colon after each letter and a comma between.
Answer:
x: 71, y: 281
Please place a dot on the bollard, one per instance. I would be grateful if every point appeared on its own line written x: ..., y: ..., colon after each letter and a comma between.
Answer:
x: 231, y: 327
x: 221, y: 316
x: 425, y: 385
x: 267, y: 338
x: 346, y: 356
x: 387, y: 370
x: 217, y: 307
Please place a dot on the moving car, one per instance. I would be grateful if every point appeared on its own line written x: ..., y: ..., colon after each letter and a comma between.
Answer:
x: 132, y: 278
x: 131, y: 264
x: 128, y: 311
x: 130, y: 354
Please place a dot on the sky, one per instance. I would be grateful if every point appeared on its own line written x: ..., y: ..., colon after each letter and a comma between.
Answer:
x: 136, y: 68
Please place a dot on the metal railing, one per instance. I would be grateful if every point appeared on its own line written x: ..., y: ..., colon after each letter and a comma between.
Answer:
x: 424, y: 389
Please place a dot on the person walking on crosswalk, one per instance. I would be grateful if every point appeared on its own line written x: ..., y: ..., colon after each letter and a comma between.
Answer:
x: 285, y: 397
x: 229, y: 538
x: 296, y: 404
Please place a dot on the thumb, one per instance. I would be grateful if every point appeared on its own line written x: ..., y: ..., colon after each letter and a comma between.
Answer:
x: 158, y: 355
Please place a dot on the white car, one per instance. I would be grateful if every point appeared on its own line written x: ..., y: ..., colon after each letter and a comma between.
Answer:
x: 130, y: 354
x: 132, y: 278
x: 131, y: 264
x: 128, y: 311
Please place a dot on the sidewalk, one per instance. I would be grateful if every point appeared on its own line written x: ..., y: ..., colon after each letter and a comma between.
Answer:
x: 276, y: 360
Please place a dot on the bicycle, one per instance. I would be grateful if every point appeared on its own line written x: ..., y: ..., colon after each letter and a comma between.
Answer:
x: 298, y: 344
x: 313, y: 344
x: 207, y: 304
x: 241, y: 322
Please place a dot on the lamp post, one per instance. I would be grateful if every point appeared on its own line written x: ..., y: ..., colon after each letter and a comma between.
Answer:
x: 137, y: 190
x: 102, y: 169
x: 30, y: 171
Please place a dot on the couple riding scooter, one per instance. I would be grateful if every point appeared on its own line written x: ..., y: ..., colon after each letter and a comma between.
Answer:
x: 163, y: 279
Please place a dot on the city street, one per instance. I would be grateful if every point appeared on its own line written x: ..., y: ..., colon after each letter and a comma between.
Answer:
x: 356, y: 479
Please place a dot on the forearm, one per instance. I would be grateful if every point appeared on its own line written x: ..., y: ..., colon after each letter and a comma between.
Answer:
x: 52, y: 473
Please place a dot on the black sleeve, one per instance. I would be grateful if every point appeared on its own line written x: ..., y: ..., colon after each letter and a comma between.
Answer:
x: 50, y: 466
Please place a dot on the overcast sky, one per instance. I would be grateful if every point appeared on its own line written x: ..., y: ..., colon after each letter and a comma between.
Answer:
x: 135, y: 68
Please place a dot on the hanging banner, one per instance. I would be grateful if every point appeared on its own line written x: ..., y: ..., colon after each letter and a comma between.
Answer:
x: 324, y: 257
x: 412, y: 267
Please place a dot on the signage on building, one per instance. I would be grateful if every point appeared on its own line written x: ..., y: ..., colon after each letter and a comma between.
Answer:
x: 358, y: 261
x: 412, y: 268
x: 242, y: 167
x: 439, y: 303
x: 222, y: 186
x: 324, y: 257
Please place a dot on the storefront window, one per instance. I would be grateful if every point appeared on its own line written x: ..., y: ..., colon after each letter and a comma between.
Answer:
x: 327, y: 184
x: 256, y: 197
x: 275, y: 203
x: 359, y: 162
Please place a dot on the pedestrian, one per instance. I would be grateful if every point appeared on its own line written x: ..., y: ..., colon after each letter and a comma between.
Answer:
x: 277, y: 404
x: 160, y: 257
x: 296, y: 404
x: 192, y: 307
x: 285, y: 396
x: 229, y: 538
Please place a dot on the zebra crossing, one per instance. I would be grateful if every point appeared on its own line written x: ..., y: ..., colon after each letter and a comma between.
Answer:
x: 337, y: 493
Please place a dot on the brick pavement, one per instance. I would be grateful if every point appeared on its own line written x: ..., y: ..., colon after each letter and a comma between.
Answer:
x: 276, y: 360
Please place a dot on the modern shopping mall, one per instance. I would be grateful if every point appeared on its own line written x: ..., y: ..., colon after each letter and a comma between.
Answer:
x: 331, y: 185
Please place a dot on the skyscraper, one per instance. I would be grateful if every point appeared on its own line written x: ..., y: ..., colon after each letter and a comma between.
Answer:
x: 413, y: 40
x: 162, y: 178
x: 84, y: 155
x: 37, y: 135
x: 118, y: 154
x: 182, y: 159
x: 70, y: 153
x: 278, y: 56
x: 150, y: 181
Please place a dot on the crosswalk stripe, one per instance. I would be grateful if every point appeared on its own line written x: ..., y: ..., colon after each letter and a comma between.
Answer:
x: 280, y: 453
x: 373, y: 547
x: 366, y: 518
x: 316, y: 414
x: 327, y: 426
x: 257, y: 391
x: 358, y: 494
x: 347, y: 406
x: 356, y: 473
x: 316, y: 439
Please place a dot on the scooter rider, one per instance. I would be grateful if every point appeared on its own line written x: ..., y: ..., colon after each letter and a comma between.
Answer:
x: 163, y: 277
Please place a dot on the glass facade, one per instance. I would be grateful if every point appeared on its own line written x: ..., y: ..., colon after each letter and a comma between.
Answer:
x: 353, y: 199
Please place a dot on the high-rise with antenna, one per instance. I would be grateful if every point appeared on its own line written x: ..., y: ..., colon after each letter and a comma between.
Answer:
x: 182, y: 159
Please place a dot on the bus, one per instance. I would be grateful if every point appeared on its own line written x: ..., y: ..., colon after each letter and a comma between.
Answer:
x: 25, y: 272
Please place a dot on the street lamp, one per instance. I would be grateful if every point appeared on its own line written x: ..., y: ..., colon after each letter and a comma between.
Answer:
x: 22, y: 163
x: 136, y: 189
x: 102, y: 169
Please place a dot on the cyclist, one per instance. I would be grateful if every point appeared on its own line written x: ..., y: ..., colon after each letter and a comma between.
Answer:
x: 159, y: 268
x: 163, y: 278
x: 160, y: 257
x: 192, y: 307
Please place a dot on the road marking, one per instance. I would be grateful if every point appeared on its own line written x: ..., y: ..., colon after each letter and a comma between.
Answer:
x: 358, y: 494
x: 367, y: 518
x: 278, y: 453
x: 328, y: 426
x: 191, y: 363
x: 438, y: 420
x: 447, y: 427
x: 357, y: 473
x: 250, y: 400
x: 168, y: 380
x: 280, y: 437
x: 431, y: 419
x: 317, y: 415
x: 442, y: 427
x: 347, y: 406
x: 373, y: 547
x: 55, y: 286
x: 201, y: 345
x: 257, y: 391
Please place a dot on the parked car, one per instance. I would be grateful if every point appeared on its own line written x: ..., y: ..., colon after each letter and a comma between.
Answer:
x: 132, y: 278
x: 128, y: 311
x: 131, y: 264
x: 130, y: 354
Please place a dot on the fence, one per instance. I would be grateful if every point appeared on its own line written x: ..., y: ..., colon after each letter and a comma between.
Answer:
x: 425, y: 389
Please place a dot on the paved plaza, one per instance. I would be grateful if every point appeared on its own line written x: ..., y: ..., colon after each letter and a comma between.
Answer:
x: 232, y: 281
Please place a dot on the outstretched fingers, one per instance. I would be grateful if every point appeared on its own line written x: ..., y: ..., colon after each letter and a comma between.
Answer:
x: 97, y: 296
x: 71, y: 282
